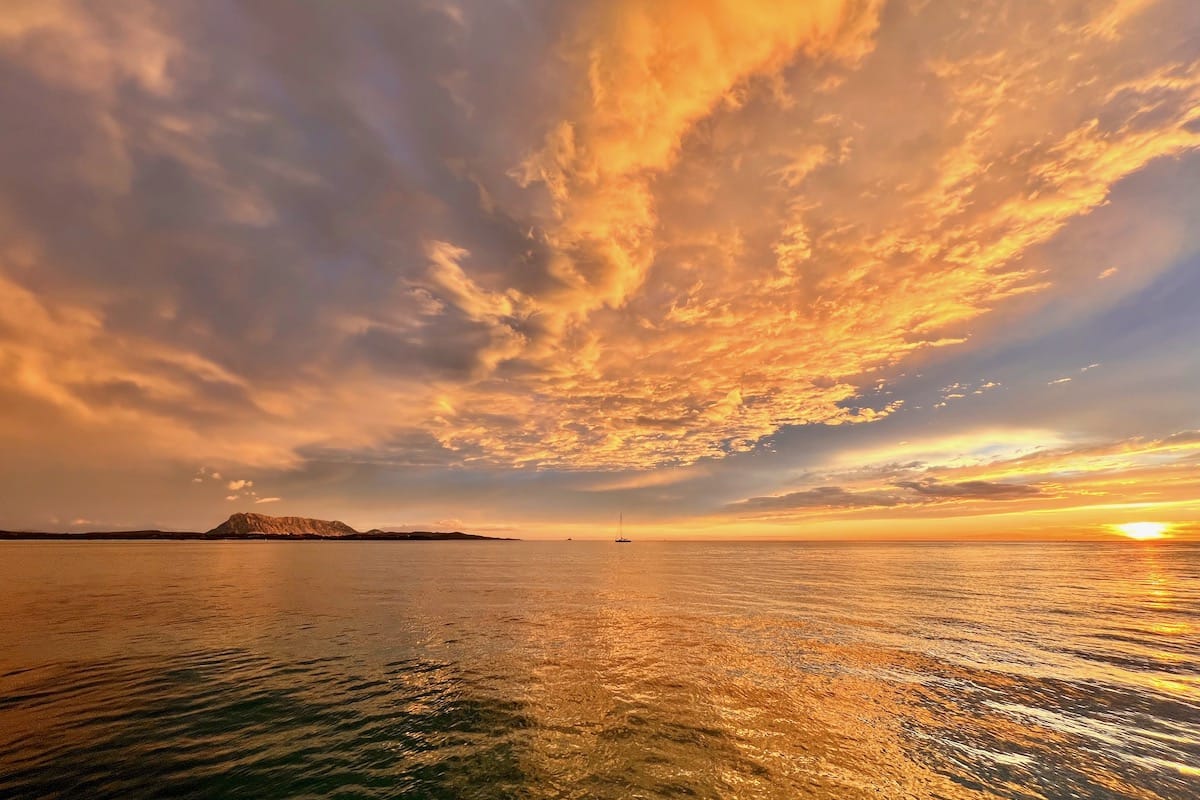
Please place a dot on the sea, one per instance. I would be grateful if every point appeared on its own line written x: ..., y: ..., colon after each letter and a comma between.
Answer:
x: 598, y: 670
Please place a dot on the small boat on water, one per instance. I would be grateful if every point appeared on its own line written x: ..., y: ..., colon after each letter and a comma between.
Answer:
x: 621, y: 530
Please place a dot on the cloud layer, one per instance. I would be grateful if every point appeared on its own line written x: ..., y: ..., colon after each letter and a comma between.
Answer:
x: 619, y: 237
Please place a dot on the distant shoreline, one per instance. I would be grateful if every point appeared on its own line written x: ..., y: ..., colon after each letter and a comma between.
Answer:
x: 195, y: 536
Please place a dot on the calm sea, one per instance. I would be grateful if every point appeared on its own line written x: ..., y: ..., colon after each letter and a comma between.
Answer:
x: 595, y: 670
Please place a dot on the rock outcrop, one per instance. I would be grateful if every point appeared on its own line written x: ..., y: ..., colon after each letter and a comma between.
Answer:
x: 244, y: 524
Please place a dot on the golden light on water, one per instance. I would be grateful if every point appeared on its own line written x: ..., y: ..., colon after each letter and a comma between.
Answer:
x: 1143, y: 531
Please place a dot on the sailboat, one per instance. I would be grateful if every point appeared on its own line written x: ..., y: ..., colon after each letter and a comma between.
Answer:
x: 621, y: 530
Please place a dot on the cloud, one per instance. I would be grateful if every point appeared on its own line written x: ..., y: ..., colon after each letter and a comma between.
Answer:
x: 843, y: 285
x: 822, y: 497
x: 239, y: 484
x: 620, y: 237
x: 949, y: 479
x: 268, y: 500
x: 926, y: 491
x: 975, y: 490
x: 1182, y: 438
x: 646, y: 73
x: 960, y: 390
x: 455, y: 320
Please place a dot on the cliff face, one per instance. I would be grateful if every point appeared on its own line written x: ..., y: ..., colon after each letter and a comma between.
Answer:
x: 242, y: 524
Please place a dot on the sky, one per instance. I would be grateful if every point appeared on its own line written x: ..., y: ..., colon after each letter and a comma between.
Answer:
x: 733, y: 269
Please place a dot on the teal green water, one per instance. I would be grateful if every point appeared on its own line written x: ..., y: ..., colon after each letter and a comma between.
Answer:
x: 591, y: 670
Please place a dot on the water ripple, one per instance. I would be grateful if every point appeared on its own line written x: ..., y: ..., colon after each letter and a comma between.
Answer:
x: 585, y: 671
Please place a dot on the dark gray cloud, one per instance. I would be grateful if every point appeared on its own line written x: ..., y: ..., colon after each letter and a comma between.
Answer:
x: 970, y: 490
x: 820, y: 497
x: 282, y: 175
x: 925, y: 491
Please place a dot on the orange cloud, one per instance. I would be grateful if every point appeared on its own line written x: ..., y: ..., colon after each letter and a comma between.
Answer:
x: 647, y: 72
x: 695, y: 333
x: 719, y: 219
x: 1097, y: 482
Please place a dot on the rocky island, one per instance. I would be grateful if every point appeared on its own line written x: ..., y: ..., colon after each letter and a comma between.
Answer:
x: 241, y: 524
x: 259, y: 527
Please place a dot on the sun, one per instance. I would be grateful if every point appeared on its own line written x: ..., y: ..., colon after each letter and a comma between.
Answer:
x: 1143, y: 531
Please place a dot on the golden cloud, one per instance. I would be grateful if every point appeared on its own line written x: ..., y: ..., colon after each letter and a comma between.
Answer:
x: 723, y: 218
x: 1008, y: 470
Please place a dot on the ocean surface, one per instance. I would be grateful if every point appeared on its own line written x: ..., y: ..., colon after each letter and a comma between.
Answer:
x: 595, y: 670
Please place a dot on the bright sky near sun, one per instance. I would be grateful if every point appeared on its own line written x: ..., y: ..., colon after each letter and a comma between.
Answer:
x: 839, y: 268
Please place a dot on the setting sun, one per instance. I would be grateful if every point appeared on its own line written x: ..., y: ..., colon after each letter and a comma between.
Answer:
x: 1143, y: 531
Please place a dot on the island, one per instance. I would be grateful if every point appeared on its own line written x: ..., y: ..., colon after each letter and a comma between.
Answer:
x: 245, y: 526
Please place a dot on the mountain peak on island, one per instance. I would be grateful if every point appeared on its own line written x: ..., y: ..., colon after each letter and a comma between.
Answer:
x: 241, y: 524
x: 245, y: 525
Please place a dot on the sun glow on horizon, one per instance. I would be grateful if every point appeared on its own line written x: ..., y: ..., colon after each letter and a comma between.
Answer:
x: 1142, y: 531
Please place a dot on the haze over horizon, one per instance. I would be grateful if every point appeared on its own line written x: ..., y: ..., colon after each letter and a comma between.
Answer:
x: 845, y: 269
